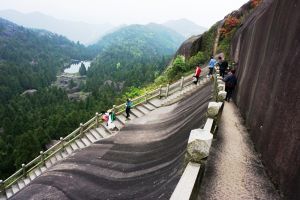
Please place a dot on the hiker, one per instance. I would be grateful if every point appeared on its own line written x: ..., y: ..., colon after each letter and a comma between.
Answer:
x: 211, y: 65
x: 128, y: 107
x: 105, y: 117
x: 111, y: 119
x: 223, y: 65
x: 230, y: 83
x: 197, y: 74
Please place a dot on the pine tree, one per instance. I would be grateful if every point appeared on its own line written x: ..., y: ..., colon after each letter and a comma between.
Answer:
x: 82, y: 70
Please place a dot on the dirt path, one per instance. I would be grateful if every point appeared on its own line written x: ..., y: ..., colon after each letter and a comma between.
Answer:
x: 234, y: 170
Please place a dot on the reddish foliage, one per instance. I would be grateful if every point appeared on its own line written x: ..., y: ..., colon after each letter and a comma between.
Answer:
x: 229, y: 24
x: 255, y: 3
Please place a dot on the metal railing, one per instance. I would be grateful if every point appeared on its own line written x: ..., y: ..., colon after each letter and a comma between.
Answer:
x: 40, y: 161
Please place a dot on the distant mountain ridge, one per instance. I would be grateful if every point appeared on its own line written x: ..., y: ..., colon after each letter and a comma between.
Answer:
x: 133, y: 54
x: 185, y: 27
x: 77, y: 31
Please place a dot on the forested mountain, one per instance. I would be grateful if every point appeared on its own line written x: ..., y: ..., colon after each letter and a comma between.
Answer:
x: 76, y: 31
x: 31, y: 58
x: 132, y: 56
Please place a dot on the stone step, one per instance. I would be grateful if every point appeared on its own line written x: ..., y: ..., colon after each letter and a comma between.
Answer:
x: 142, y: 109
x: 90, y: 136
x: 58, y: 156
x: 27, y: 181
x: 79, y: 143
x: 69, y: 149
x: 74, y: 146
x: 32, y: 176
x: 86, y: 141
x: 121, y: 118
x: 53, y: 160
x: 15, y: 188
x: 103, y: 132
x: 43, y: 169
x: 105, y: 127
x: 119, y: 124
x: 148, y: 106
x: 155, y: 102
x: 136, y: 112
x: 9, y: 192
x: 96, y: 134
x: 21, y: 183
x: 37, y: 171
x: 64, y: 153
x: 3, y: 197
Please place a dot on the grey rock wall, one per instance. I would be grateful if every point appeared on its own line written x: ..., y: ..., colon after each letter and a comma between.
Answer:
x: 267, y: 49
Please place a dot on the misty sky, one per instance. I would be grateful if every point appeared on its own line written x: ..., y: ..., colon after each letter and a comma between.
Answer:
x: 116, y: 12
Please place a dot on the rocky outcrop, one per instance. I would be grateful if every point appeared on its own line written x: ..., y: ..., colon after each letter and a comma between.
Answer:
x: 267, y: 50
x: 190, y: 47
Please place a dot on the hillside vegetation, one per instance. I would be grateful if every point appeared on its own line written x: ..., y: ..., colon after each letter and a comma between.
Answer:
x: 130, y: 58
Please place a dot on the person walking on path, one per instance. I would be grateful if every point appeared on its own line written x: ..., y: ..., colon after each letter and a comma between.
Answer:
x: 197, y: 74
x: 211, y: 65
x: 230, y: 83
x: 128, y: 107
x: 223, y: 65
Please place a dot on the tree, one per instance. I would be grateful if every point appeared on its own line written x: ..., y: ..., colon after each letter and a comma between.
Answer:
x: 82, y: 70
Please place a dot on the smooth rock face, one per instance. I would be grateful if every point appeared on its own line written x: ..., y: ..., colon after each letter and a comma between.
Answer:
x: 143, y: 161
x: 267, y: 50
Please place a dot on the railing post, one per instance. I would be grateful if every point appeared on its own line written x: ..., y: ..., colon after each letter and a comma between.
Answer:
x: 42, y: 157
x: 181, y: 84
x: 167, y: 91
x: 146, y: 97
x: 62, y: 142
x: 96, y: 119
x: 24, y: 169
x: 160, y: 88
x: 81, y: 129
x: 2, y: 189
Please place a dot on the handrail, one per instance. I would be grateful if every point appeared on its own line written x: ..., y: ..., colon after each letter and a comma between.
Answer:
x: 40, y: 160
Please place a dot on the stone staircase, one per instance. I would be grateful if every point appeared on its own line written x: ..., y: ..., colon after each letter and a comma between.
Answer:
x: 101, y: 131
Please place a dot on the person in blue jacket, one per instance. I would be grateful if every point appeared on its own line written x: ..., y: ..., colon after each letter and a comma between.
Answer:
x: 211, y: 65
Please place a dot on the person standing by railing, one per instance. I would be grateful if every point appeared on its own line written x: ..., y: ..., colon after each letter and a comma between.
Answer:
x: 230, y: 83
x: 211, y: 65
x: 128, y: 106
x: 197, y: 74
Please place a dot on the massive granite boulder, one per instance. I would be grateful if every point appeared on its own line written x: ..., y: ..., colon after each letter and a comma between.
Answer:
x: 267, y: 49
x: 190, y: 47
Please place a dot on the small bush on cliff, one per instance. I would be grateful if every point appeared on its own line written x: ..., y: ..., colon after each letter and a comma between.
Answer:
x: 177, y: 68
x: 255, y: 3
x: 195, y: 60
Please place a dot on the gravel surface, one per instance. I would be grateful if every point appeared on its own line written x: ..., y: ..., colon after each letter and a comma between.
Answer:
x: 234, y: 170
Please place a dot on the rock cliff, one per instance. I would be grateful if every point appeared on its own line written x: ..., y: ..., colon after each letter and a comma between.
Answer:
x: 267, y: 48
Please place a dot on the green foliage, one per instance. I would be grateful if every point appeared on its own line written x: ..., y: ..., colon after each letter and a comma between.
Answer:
x: 82, y: 70
x: 31, y: 58
x: 198, y: 59
x: 177, y: 68
x: 208, y: 40
x: 71, y: 84
x: 132, y: 56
